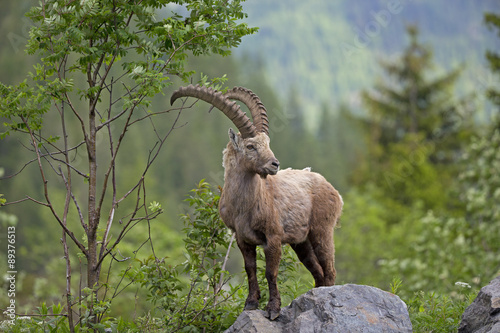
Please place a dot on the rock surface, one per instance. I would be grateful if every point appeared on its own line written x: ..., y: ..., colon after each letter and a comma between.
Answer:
x: 344, y: 308
x: 483, y: 315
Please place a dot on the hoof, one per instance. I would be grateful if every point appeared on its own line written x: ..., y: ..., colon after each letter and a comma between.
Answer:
x: 272, y: 315
x: 251, y: 306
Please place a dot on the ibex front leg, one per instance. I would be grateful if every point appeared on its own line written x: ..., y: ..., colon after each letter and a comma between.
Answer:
x: 272, y: 250
x: 250, y: 257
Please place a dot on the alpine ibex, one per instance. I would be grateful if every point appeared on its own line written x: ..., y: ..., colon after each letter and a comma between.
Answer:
x: 268, y: 207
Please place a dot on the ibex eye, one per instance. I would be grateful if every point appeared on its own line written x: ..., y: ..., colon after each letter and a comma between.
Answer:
x: 251, y: 147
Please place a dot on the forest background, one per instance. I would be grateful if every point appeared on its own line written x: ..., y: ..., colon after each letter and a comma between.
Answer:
x: 420, y: 190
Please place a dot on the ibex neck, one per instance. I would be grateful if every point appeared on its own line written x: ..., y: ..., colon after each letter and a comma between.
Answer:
x: 240, y: 182
x: 244, y: 183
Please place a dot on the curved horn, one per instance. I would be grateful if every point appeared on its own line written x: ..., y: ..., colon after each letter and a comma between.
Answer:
x: 254, y: 104
x: 221, y: 102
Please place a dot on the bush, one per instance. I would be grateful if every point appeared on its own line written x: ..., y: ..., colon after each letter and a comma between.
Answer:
x: 194, y: 295
x: 446, y: 249
x: 432, y: 312
x: 197, y: 295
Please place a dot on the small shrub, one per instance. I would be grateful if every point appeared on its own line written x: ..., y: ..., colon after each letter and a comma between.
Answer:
x: 433, y: 312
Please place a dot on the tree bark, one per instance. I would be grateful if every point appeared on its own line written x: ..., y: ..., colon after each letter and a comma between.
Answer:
x: 93, y: 222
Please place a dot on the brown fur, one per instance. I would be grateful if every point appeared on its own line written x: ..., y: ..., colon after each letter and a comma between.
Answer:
x: 267, y: 207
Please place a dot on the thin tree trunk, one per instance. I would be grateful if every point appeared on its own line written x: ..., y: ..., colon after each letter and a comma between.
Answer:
x: 93, y: 223
x: 69, y: 300
x: 67, y: 182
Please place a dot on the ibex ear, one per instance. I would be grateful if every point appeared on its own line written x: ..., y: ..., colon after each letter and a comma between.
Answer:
x: 234, y: 138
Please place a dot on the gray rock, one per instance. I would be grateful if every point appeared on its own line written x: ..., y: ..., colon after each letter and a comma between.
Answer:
x: 343, y: 308
x: 254, y: 322
x: 483, y: 315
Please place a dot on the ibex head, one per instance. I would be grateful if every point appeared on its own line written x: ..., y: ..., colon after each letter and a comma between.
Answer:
x: 252, y: 143
x: 254, y: 153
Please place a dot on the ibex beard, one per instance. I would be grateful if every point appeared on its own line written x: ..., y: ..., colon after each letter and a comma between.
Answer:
x: 268, y: 207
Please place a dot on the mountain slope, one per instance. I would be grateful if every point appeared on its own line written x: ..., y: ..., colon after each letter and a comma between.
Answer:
x: 330, y: 50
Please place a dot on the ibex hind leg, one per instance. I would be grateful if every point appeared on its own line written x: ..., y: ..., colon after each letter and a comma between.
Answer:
x: 306, y: 255
x: 322, y: 243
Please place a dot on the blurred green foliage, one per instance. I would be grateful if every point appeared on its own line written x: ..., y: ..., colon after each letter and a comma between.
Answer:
x: 419, y: 207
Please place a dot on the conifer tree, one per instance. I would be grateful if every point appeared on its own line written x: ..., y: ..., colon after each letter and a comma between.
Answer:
x: 413, y: 101
x: 418, y: 131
